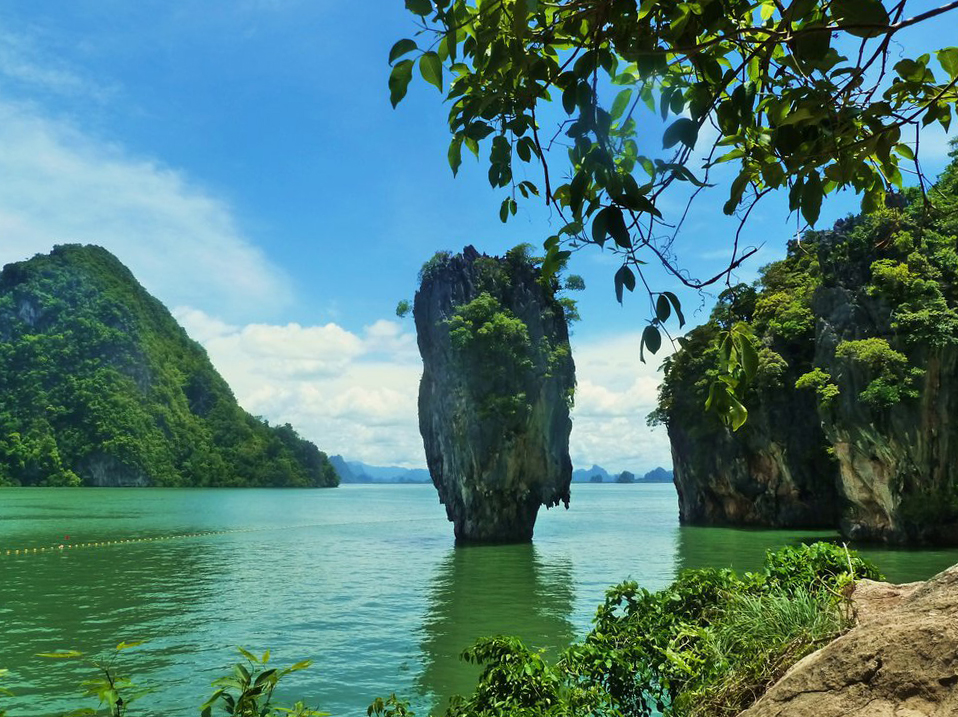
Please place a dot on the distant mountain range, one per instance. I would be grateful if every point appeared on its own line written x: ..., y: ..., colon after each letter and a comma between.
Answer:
x: 590, y: 475
x: 359, y: 472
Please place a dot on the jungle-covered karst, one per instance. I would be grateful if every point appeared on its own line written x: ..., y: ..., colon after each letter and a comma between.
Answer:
x: 497, y: 386
x: 101, y: 387
x: 851, y: 408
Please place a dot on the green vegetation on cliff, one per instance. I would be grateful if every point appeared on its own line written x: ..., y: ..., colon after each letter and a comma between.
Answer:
x: 857, y: 335
x: 493, y: 346
x: 101, y: 386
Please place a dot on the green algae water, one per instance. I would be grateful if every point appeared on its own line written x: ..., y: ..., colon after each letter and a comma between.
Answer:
x: 363, y: 580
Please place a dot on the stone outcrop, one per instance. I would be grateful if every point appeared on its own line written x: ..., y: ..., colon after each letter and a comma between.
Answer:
x: 897, y: 467
x: 773, y: 472
x: 495, y: 396
x: 900, y: 661
x: 848, y: 426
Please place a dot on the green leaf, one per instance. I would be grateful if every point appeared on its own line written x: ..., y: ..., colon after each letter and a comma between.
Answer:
x: 61, y: 655
x: 738, y: 414
x: 861, y: 12
x: 399, y: 81
x: 401, y: 48
x: 812, y: 195
x: 519, y: 22
x: 455, y: 155
x: 620, y: 103
x: 577, y: 189
x: 524, y: 150
x: 264, y: 677
x: 128, y: 645
x: 615, y: 225
x: 662, y: 309
x: 430, y: 67
x: 600, y: 227
x: 624, y: 279
x: 905, y: 151
x: 799, y: 115
x: 676, y: 306
x: 249, y: 656
x: 652, y: 340
x: 749, y: 356
x: 569, y: 98
x: 812, y: 47
x: 948, y: 59
x: 419, y: 7
x: 682, y: 130
x: 736, y: 153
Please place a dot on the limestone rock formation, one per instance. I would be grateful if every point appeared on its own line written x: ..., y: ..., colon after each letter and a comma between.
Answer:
x: 773, y: 472
x: 496, y: 390
x: 848, y: 426
x: 898, y: 466
x: 900, y: 661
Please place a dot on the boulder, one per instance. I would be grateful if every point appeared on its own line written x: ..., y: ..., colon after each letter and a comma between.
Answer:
x: 901, y: 660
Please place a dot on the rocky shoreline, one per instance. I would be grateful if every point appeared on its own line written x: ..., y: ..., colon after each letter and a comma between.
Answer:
x: 900, y: 660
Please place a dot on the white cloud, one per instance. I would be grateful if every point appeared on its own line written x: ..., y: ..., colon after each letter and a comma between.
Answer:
x: 616, y: 392
x: 23, y: 61
x: 183, y: 244
x: 356, y: 394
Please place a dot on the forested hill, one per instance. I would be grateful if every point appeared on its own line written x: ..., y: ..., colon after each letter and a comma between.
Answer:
x: 101, y: 386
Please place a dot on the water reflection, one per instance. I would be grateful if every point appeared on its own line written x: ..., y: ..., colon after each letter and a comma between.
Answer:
x: 90, y: 600
x: 744, y: 550
x: 491, y: 590
x: 737, y: 548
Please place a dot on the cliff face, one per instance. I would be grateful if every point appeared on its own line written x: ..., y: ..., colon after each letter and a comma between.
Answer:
x: 495, y: 394
x: 848, y: 427
x: 773, y: 472
x: 898, y: 464
x: 101, y: 387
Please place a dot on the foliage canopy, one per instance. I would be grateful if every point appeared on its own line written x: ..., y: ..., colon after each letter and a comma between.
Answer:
x: 808, y: 96
x: 896, y: 266
x: 709, y: 644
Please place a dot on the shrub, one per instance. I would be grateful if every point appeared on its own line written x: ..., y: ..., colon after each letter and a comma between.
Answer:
x: 821, y: 382
x: 893, y: 378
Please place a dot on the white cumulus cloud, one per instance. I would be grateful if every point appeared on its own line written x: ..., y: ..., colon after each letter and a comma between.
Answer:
x: 350, y: 393
x: 616, y: 391
x: 356, y: 393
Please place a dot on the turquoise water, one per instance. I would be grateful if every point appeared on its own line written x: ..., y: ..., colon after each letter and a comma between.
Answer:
x: 363, y: 580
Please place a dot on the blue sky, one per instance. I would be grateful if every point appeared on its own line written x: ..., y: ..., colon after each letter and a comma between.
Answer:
x: 243, y: 159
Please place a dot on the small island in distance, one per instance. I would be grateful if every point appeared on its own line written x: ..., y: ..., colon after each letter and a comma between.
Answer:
x: 359, y: 472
